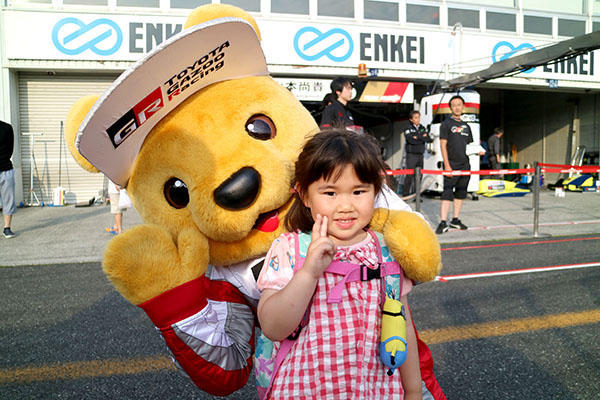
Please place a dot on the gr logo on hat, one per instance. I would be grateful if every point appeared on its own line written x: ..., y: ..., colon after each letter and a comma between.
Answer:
x: 135, y: 117
x: 114, y: 130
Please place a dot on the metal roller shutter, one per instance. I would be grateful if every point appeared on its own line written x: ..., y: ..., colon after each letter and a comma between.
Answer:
x: 44, y: 102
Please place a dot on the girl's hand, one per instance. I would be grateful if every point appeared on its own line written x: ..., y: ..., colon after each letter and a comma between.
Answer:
x: 321, y: 250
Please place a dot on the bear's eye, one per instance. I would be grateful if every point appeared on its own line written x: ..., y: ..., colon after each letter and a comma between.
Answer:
x: 176, y: 193
x: 261, y: 127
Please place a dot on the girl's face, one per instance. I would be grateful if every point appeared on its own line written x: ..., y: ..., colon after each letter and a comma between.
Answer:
x: 347, y: 203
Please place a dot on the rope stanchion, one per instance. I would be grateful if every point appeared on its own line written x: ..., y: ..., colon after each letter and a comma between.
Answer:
x: 418, y: 189
x: 536, y: 199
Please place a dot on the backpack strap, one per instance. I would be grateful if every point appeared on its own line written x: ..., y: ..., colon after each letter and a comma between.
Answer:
x: 359, y: 272
x: 285, y: 346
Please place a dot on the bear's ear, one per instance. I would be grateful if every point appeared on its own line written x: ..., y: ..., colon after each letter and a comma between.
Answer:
x: 214, y: 11
x: 74, y: 120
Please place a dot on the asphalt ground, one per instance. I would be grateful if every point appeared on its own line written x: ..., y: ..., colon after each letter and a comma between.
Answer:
x: 66, y: 333
x: 47, y: 235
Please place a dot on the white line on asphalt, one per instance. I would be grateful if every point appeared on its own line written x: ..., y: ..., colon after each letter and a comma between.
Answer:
x: 445, y: 278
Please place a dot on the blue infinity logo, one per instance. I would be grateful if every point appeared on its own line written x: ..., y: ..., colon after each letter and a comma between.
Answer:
x: 335, y: 39
x: 512, y: 50
x: 66, y: 44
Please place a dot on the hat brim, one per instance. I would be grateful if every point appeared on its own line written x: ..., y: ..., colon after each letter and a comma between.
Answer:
x: 114, y: 130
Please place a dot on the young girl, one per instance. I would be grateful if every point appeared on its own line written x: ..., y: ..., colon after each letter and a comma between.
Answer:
x: 335, y: 355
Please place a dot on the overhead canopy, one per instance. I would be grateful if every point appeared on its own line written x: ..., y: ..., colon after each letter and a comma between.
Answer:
x: 565, y: 49
x: 387, y: 92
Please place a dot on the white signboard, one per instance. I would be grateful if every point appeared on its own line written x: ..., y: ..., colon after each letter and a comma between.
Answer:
x: 306, y: 89
x: 411, y: 51
x: 305, y: 47
x: 71, y: 36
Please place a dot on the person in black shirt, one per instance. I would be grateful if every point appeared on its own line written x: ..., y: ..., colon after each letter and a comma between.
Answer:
x: 415, y: 137
x: 454, y: 137
x: 336, y: 114
x: 7, y: 177
x: 494, y: 148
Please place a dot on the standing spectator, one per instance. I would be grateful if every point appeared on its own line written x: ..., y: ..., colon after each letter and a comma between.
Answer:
x: 336, y: 114
x: 415, y: 136
x: 7, y: 177
x: 116, y: 209
x: 494, y: 148
x: 454, y: 137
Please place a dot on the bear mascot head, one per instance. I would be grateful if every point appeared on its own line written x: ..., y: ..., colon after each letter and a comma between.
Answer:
x: 205, y: 142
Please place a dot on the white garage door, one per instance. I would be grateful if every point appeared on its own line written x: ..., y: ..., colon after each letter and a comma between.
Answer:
x: 44, y: 102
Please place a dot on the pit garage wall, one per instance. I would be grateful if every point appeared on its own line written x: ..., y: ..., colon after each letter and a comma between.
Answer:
x: 545, y: 126
x: 548, y: 126
x: 394, y: 147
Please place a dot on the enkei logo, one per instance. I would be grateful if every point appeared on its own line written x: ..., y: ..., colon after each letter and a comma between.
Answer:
x: 134, y: 118
x: 506, y: 50
x: 72, y: 36
x: 335, y: 44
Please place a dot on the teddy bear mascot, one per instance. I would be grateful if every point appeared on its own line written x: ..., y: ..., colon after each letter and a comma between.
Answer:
x: 205, y: 142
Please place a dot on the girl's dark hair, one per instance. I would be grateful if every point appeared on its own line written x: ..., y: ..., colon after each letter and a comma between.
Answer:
x: 322, y: 157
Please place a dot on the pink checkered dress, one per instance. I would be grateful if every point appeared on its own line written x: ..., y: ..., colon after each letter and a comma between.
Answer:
x: 336, y: 355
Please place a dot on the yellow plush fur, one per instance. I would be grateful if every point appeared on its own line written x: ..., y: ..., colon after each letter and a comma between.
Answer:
x: 203, y: 142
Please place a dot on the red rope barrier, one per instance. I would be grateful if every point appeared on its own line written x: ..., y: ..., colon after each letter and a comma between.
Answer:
x: 547, y: 168
x: 462, y: 172
x: 565, y: 168
x: 400, y: 172
x: 585, y: 169
x: 554, y: 165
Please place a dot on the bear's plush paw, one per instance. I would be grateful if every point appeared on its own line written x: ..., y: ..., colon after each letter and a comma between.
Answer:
x: 411, y: 241
x: 145, y: 261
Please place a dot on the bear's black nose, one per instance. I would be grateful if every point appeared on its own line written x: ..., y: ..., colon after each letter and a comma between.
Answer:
x: 239, y: 191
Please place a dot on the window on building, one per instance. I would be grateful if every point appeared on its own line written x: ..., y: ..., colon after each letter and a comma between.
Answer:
x: 336, y: 8
x: 138, y: 3
x: 595, y: 26
x: 189, y: 4
x: 570, y: 6
x: 501, y: 21
x: 290, y: 7
x: 534, y: 24
x: 570, y: 27
x: 596, y: 7
x: 495, y: 3
x: 19, y: 2
x: 248, y: 5
x: 86, y: 2
x: 385, y: 10
x: 467, y: 18
x: 422, y: 14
